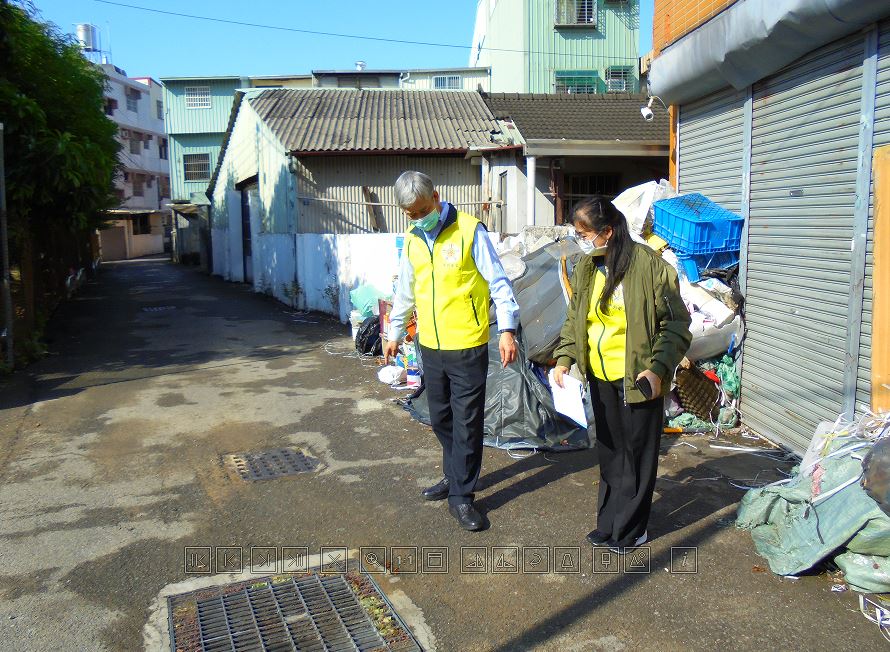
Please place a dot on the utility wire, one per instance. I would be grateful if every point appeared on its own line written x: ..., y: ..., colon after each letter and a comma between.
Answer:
x: 339, y: 35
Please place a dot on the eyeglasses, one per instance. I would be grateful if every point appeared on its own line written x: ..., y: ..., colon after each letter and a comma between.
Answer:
x: 591, y: 237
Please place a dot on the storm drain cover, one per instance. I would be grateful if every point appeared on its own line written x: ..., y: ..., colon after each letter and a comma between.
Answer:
x: 273, y: 463
x: 305, y: 612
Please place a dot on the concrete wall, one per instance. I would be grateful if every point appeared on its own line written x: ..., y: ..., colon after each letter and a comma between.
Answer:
x: 120, y: 243
x: 470, y: 80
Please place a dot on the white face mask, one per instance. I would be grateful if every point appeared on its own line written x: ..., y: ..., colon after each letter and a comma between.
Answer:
x: 591, y: 249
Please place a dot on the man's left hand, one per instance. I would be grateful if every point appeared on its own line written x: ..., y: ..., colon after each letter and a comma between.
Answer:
x: 507, y: 345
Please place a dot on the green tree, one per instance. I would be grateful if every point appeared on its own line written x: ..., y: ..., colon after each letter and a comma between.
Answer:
x: 61, y: 150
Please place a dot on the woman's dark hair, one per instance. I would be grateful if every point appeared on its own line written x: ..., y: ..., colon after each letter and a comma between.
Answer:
x: 595, y: 214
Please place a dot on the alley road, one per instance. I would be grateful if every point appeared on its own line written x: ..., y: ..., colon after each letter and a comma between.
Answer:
x: 112, y: 463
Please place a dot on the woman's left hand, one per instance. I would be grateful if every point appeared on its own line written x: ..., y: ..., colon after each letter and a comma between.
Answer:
x: 654, y: 381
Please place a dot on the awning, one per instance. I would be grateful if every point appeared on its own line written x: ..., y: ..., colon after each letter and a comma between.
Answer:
x: 565, y: 147
x: 136, y: 211
x: 188, y: 209
x: 753, y: 39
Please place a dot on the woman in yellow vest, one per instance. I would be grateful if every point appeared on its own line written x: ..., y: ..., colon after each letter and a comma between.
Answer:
x: 627, y: 329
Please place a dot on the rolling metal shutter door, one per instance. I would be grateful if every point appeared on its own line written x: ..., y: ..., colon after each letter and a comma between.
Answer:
x: 710, y: 150
x: 804, y: 146
x: 881, y: 137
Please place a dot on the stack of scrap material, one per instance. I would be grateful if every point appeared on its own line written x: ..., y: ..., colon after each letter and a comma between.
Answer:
x: 701, y: 240
x: 824, y: 513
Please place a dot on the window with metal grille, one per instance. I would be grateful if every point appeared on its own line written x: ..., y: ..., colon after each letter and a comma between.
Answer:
x: 133, y: 100
x: 159, y: 107
x: 581, y: 186
x: 618, y: 79
x: 142, y: 225
x: 110, y: 105
x: 138, y: 187
x: 162, y: 149
x: 135, y: 144
x: 446, y: 82
x: 196, y: 167
x: 577, y: 81
x: 197, y: 97
x: 164, y: 186
x: 576, y: 12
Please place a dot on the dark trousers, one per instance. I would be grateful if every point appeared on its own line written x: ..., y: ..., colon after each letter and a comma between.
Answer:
x: 627, y: 442
x: 455, y: 389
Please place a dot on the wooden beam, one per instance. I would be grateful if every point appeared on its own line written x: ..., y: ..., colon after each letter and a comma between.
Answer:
x: 880, y: 338
x: 372, y: 213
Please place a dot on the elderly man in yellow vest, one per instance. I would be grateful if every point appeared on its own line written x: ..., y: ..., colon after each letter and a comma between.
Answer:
x: 449, y: 271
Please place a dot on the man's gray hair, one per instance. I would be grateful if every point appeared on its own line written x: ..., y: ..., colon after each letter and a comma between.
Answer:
x: 411, y: 186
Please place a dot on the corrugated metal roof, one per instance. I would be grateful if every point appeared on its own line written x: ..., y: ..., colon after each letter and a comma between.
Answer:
x: 346, y: 120
x: 610, y: 116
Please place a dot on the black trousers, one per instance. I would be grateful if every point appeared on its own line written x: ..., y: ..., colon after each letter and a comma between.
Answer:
x: 455, y: 389
x: 627, y: 441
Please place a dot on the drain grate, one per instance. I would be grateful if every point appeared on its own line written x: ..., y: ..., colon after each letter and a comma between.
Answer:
x: 273, y: 463
x: 307, y: 612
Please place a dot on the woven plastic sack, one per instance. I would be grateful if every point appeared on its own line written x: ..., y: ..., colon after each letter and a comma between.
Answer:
x: 795, y: 529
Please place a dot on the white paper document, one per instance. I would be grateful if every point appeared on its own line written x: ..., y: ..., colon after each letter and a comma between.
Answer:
x: 569, y: 400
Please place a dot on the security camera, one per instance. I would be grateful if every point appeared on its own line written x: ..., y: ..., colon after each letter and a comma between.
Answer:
x: 646, y: 111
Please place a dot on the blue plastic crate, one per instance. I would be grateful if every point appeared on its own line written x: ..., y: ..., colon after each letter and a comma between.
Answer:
x: 693, y: 224
x: 693, y: 264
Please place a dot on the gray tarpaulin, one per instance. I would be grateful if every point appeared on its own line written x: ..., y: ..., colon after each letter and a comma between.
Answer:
x: 753, y: 39
x: 519, y: 409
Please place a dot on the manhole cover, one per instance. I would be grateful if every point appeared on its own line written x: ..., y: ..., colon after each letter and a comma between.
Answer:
x: 273, y: 463
x: 306, y: 612
x: 158, y: 308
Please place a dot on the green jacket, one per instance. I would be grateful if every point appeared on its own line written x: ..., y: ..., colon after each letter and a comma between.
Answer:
x: 657, y: 320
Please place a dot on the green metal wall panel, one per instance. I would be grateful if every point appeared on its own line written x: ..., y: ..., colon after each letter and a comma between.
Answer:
x: 614, y: 42
x: 182, y: 120
x: 191, y: 144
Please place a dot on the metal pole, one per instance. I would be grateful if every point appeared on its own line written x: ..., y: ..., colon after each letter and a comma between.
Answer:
x: 4, y: 246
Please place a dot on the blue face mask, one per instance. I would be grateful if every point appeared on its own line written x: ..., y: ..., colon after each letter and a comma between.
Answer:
x: 429, y: 222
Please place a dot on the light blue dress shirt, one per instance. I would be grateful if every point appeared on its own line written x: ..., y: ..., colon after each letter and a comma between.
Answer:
x: 487, y: 262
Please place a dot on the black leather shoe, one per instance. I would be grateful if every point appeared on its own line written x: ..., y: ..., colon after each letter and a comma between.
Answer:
x: 597, y: 537
x: 438, y: 491
x: 467, y: 516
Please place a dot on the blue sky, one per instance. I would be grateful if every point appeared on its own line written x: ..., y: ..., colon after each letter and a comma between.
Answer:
x: 157, y: 45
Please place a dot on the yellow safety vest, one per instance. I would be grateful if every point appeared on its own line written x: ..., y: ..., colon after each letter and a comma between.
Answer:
x: 450, y: 294
x: 606, y: 333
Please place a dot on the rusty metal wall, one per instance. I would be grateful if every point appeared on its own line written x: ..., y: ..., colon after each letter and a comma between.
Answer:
x: 342, y: 177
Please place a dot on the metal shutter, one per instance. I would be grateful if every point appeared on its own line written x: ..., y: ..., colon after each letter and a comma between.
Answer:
x: 804, y: 146
x: 710, y: 148
x: 881, y: 137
